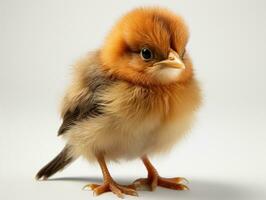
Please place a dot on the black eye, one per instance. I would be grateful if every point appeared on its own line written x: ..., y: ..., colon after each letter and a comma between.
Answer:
x: 146, y: 54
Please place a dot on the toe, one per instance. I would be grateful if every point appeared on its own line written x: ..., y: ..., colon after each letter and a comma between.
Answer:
x: 176, y: 180
x: 101, y: 189
x: 128, y: 190
x: 116, y: 190
x: 172, y: 185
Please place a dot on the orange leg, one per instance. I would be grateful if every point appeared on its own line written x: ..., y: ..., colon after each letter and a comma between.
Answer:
x: 109, y: 184
x: 153, y: 180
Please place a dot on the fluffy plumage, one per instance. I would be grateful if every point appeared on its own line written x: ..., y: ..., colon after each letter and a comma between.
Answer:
x: 120, y: 106
x: 131, y: 121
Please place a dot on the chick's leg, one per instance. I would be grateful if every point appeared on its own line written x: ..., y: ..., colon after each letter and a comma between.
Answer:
x: 153, y: 180
x: 109, y: 184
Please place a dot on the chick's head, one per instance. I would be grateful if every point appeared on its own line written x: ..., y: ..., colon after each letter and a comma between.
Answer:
x: 148, y: 47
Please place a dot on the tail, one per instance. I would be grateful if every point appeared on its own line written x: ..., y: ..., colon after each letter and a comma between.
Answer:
x: 63, y: 159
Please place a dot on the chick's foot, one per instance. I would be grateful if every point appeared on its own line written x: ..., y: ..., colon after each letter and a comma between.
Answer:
x: 153, y: 180
x: 111, y: 186
x: 151, y: 183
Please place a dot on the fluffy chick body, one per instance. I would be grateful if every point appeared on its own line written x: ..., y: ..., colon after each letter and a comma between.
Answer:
x: 134, y: 120
x: 135, y: 97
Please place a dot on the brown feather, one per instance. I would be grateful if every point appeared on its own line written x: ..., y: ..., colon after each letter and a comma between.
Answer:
x: 63, y: 159
x: 85, y: 103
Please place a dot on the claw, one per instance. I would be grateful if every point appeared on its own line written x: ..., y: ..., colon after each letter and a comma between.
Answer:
x: 90, y: 187
x: 184, y: 180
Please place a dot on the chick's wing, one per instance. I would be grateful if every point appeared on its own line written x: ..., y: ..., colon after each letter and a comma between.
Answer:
x: 82, y: 101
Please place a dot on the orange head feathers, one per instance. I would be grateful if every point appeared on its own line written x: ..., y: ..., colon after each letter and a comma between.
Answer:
x: 148, y: 47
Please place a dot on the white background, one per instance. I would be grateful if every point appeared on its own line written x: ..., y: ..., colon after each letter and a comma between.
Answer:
x: 223, y: 156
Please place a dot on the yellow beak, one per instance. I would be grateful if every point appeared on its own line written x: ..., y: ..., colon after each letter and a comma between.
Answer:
x: 173, y: 61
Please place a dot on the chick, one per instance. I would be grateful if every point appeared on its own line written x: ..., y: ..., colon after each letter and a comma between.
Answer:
x: 134, y: 97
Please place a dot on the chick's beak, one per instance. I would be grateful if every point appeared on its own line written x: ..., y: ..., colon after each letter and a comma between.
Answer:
x: 173, y: 61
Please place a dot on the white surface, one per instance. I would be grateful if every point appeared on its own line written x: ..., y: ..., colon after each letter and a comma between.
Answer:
x: 223, y: 157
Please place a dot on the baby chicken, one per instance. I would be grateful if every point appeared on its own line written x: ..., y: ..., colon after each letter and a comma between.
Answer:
x: 135, y: 96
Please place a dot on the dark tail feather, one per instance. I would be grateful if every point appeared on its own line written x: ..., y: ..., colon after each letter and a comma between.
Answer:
x: 58, y: 163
